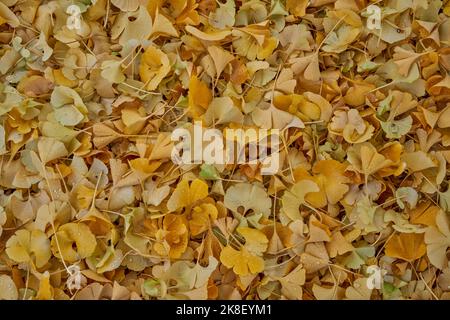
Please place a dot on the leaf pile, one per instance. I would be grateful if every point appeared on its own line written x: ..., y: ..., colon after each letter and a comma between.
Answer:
x: 92, y: 206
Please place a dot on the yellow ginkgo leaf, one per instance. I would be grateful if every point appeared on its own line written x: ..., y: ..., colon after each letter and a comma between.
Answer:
x: 242, y: 261
x: 162, y: 26
x: 246, y: 260
x: 208, y: 36
x: 29, y: 246
x: 295, y: 197
x: 133, y: 120
x: 245, y: 198
x: 201, y: 217
x: 318, y: 232
x: 297, y: 7
x: 254, y: 41
x: 110, y: 261
x: 359, y: 290
x: 220, y: 57
x: 127, y: 5
x: 8, y: 289
x: 365, y: 159
x: 173, y: 238
x: 425, y: 213
x: 84, y: 196
x: 351, y: 125
x: 291, y: 284
x: 199, y: 97
x: 144, y: 165
x: 75, y: 240
x: 112, y: 71
x: 308, y: 107
x: 104, y: 135
x: 185, y: 11
x: 185, y: 194
x: 341, y: 38
x: 404, y: 59
x: 329, y: 177
x: 255, y: 241
x: 162, y: 148
x: 50, y: 149
x: 154, y: 67
x: 221, y: 111
x: 406, y: 246
x: 437, y: 239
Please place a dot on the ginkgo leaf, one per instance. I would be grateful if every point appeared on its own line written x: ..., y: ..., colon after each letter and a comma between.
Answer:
x: 127, y: 5
x: 297, y: 7
x: 329, y: 175
x: 162, y: 148
x: 397, y: 128
x: 291, y: 284
x: 132, y: 25
x: 223, y: 16
x: 297, y: 37
x: 340, y: 39
x: 315, y: 257
x: 112, y: 71
x: 294, y: 198
x: 247, y: 259
x: 406, y: 246
x: 404, y: 59
x: 359, y: 291
x: 133, y: 120
x: 338, y: 245
x: 154, y: 67
x: 26, y: 246
x: 201, y: 215
x: 318, y: 232
x: 271, y: 117
x: 211, y: 36
x: 172, y: 238
x: 154, y: 195
x: 8, y: 289
x: 437, y: 239
x: 443, y: 121
x: 332, y: 293
x: 368, y: 160
x: 222, y: 111
x: 187, y: 275
x: 103, y: 135
x: 285, y: 81
x: 50, y: 149
x: 110, y: 261
x: 186, y: 194
x: 73, y: 241
x: 221, y: 58
x: 418, y: 161
x: 199, y: 96
x: 308, y: 66
x: 63, y: 95
x: 245, y: 198
x: 162, y: 25
x: 424, y: 213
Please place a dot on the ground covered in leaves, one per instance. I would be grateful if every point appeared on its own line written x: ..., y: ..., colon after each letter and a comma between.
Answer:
x: 92, y: 206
